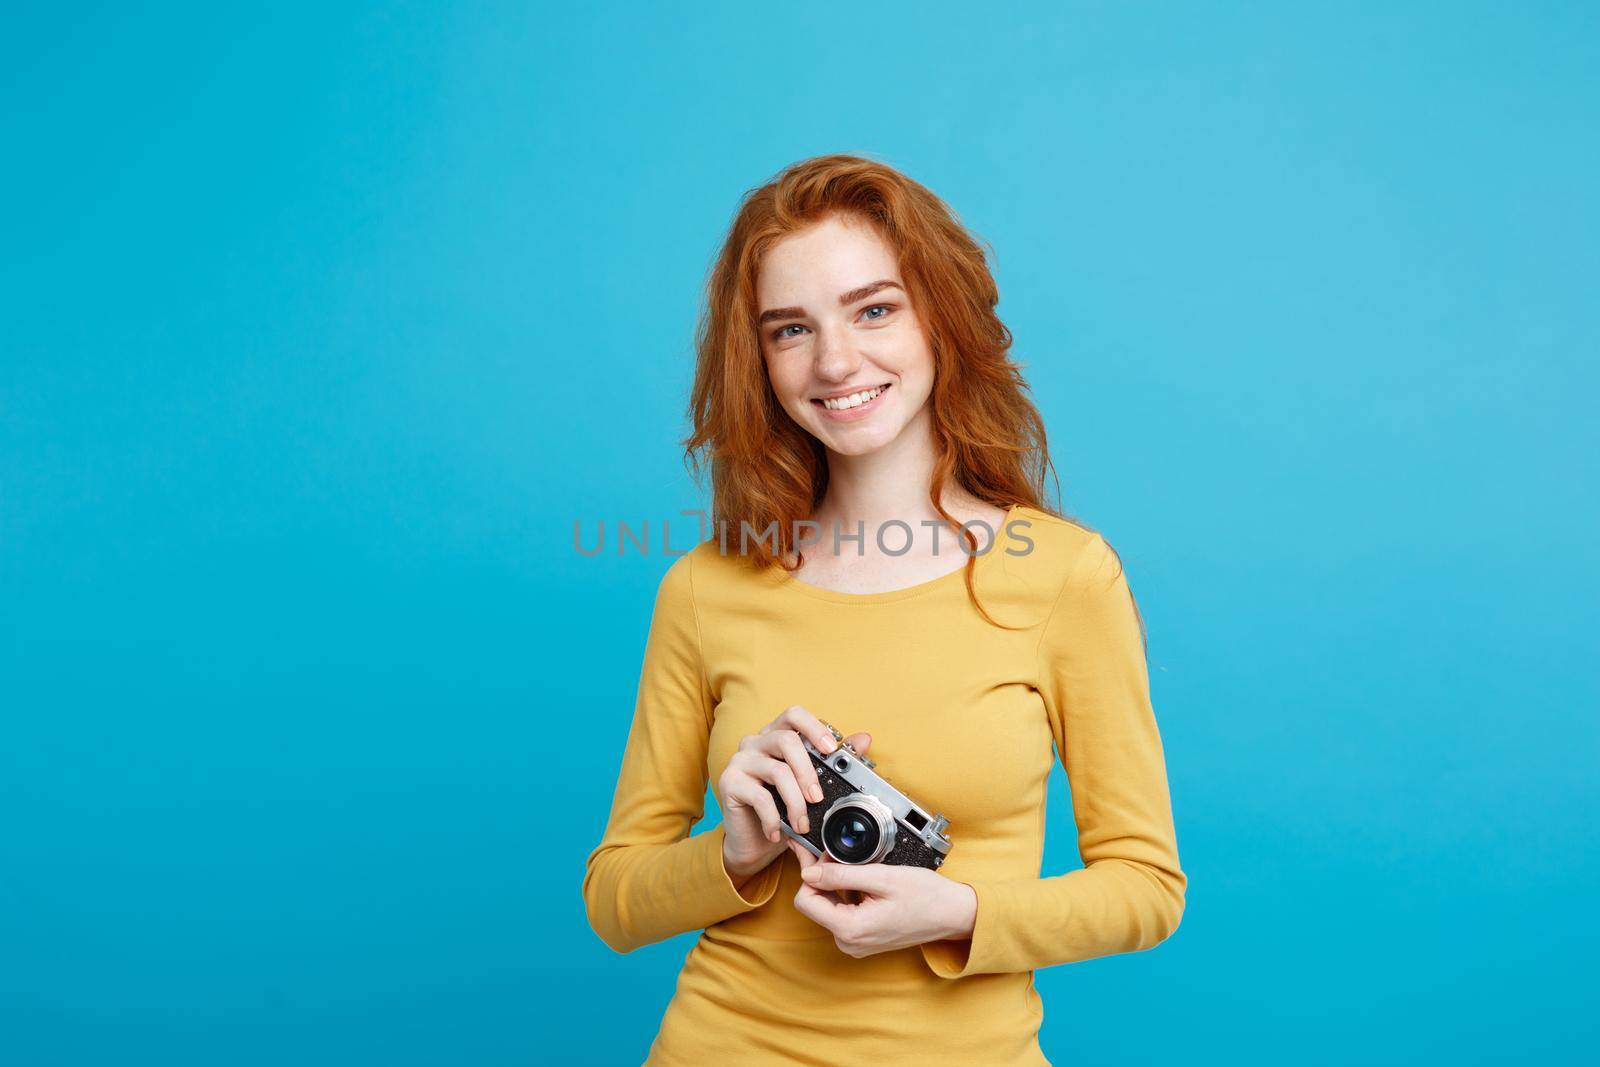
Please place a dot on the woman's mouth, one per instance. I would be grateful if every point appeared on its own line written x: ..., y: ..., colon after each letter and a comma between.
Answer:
x: 853, y: 407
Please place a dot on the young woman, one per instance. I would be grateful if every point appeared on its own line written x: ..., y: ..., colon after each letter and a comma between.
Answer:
x: 937, y: 612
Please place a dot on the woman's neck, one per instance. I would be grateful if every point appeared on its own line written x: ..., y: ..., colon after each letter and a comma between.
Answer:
x: 889, y: 483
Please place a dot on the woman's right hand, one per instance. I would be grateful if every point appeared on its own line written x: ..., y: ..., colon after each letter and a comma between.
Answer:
x: 752, y: 837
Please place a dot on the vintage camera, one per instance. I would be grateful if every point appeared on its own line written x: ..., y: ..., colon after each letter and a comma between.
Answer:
x: 862, y: 818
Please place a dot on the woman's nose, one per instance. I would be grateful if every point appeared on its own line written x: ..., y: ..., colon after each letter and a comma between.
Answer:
x: 836, y: 358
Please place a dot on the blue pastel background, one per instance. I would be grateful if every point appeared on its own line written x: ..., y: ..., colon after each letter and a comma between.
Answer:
x: 320, y: 325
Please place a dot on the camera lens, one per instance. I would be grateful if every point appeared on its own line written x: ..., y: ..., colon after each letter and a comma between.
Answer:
x: 853, y: 834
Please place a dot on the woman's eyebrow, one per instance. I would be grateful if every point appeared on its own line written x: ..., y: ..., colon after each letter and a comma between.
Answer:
x: 845, y: 300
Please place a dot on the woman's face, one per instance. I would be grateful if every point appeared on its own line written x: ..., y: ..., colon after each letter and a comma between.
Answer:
x: 835, y: 320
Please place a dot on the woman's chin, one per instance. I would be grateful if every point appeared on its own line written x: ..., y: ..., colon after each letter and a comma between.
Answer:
x: 855, y: 444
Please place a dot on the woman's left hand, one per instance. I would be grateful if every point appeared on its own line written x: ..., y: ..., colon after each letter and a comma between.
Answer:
x: 899, y: 907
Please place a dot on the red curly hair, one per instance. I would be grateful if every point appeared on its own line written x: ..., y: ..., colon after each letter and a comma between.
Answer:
x: 764, y: 467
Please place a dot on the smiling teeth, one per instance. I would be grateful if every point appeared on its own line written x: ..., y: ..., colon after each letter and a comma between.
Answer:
x: 844, y: 403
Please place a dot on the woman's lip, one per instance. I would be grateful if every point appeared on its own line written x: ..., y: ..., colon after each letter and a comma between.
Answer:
x: 860, y: 411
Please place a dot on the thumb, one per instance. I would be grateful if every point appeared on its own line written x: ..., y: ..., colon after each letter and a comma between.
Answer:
x: 874, y: 878
x: 859, y: 742
x: 802, y: 854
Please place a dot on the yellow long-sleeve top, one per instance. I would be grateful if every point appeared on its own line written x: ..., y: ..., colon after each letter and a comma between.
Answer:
x: 962, y: 716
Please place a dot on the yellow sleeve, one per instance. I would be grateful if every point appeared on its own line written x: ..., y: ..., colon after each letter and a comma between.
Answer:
x: 1129, y: 895
x: 648, y: 879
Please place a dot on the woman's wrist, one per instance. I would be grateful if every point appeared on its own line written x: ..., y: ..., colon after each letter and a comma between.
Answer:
x: 740, y: 870
x: 963, y: 912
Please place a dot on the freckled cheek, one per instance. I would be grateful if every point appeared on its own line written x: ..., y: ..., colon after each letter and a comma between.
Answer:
x: 795, y: 397
x: 791, y: 392
x: 787, y: 390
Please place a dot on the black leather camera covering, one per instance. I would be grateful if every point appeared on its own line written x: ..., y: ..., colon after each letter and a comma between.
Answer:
x: 908, y: 851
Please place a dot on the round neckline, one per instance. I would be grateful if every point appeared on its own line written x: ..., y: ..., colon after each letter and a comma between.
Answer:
x: 789, y: 581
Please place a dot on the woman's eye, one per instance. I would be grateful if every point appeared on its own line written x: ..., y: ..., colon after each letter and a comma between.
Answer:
x: 782, y: 332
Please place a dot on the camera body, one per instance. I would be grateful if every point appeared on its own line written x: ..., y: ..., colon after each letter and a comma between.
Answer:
x: 862, y: 818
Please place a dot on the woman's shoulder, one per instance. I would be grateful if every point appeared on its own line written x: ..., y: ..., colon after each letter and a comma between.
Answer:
x: 1056, y: 544
x: 1042, y: 554
x: 706, y: 569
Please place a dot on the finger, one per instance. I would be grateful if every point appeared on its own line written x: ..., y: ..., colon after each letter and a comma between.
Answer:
x: 809, y: 859
x: 807, y: 725
x: 788, y: 748
x: 821, y: 908
x: 859, y: 742
x: 838, y: 896
x: 875, y: 878
x: 749, y: 791
x: 803, y: 854
x: 806, y: 858
x: 782, y: 779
